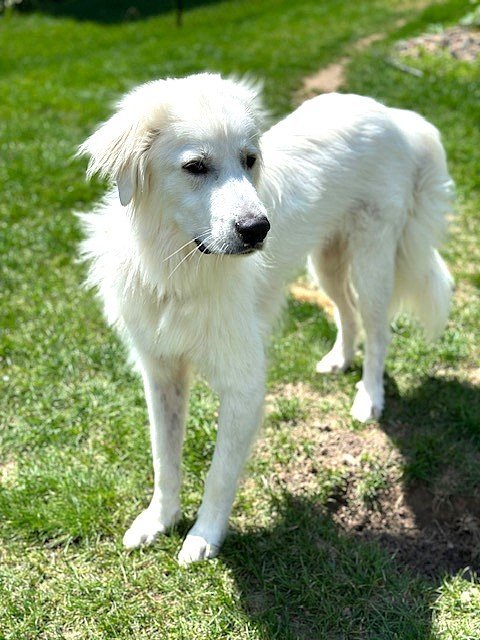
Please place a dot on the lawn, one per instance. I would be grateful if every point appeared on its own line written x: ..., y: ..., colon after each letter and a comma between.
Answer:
x: 339, y: 531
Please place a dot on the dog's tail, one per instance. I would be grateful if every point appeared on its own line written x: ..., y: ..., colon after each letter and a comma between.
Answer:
x: 423, y: 284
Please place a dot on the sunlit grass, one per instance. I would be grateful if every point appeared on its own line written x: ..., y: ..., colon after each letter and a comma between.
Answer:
x: 74, y: 453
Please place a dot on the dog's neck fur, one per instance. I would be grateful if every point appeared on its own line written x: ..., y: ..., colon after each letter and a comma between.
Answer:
x: 172, y: 266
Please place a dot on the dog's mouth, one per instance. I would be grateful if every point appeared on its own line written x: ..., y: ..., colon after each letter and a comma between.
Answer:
x: 229, y: 251
x: 201, y: 246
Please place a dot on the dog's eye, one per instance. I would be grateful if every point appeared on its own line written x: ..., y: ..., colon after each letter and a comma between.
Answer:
x: 250, y: 161
x: 196, y: 167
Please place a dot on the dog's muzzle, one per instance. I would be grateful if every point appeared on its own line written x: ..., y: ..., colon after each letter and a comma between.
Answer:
x: 250, y: 231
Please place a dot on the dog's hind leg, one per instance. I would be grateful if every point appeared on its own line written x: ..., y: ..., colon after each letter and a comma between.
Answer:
x: 166, y: 391
x: 329, y: 265
x: 372, y: 272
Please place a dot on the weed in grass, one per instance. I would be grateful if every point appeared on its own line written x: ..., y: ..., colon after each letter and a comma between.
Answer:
x: 372, y: 481
x: 287, y: 410
x: 333, y: 485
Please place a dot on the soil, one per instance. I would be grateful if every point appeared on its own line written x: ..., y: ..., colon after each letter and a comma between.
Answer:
x: 432, y: 531
x: 326, y: 80
x: 462, y: 43
x: 430, y: 538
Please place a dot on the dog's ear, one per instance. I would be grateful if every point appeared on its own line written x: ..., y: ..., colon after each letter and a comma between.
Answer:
x: 118, y: 149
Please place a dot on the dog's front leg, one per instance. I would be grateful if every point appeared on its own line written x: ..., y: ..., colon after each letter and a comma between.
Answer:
x: 166, y: 390
x: 239, y: 417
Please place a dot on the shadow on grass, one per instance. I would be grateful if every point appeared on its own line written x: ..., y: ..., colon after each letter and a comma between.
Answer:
x: 306, y: 579
x: 109, y: 12
x: 312, y: 577
x: 436, y: 428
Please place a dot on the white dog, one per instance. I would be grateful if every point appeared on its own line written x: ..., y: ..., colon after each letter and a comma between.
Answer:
x: 359, y: 188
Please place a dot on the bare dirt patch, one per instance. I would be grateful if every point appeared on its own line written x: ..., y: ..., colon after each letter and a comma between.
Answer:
x: 432, y: 530
x: 332, y: 77
x: 325, y: 80
x: 430, y: 537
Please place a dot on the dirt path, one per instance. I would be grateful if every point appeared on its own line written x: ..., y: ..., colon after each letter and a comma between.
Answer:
x: 332, y: 77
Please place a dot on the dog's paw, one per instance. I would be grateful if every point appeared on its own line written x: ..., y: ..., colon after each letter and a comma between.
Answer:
x: 333, y: 362
x: 196, y: 548
x: 146, y: 527
x: 366, y: 406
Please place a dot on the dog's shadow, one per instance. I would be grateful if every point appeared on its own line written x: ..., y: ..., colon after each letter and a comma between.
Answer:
x: 436, y: 428
x: 307, y: 578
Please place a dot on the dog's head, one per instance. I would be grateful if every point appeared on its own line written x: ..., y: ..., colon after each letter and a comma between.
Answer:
x: 187, y: 149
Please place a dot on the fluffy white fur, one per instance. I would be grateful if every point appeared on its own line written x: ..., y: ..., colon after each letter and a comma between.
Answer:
x: 360, y: 189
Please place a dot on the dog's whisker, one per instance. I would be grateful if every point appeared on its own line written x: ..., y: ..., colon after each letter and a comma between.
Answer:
x: 190, y: 253
x: 177, y: 250
x: 203, y: 230
x: 199, y: 261
x: 210, y: 244
x: 222, y: 249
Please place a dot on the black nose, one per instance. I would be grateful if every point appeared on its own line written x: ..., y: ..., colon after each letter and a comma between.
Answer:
x: 253, y: 229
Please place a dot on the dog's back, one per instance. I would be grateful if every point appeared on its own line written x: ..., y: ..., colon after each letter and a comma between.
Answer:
x: 342, y: 164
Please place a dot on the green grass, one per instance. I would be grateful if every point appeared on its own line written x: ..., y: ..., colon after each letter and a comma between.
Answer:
x: 74, y: 451
x: 373, y: 480
x: 287, y: 410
